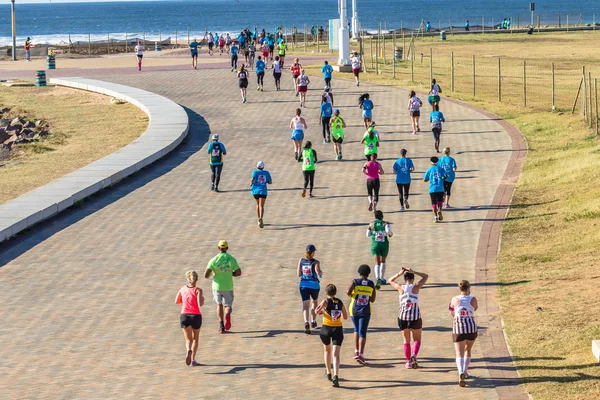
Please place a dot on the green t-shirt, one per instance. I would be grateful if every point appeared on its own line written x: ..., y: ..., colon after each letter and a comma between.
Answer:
x: 337, y: 131
x: 223, y: 265
x: 378, y: 235
x: 308, y: 160
x: 370, y: 144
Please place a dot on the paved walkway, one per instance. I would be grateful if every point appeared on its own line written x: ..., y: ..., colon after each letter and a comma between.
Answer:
x: 87, y: 299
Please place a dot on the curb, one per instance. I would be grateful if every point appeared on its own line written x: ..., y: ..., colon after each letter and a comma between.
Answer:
x: 168, y: 127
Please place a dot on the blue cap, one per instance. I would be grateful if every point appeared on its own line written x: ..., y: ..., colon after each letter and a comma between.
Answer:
x: 311, y: 248
x: 336, y: 111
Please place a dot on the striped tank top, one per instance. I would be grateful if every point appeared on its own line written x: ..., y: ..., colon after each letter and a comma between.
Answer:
x: 409, y: 304
x: 332, y: 315
x: 464, y: 316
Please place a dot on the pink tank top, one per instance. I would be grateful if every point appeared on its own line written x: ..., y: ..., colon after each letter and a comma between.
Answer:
x: 372, y: 170
x: 189, y: 300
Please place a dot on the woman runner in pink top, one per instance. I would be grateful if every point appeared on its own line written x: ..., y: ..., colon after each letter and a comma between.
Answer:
x: 191, y: 299
x: 372, y: 169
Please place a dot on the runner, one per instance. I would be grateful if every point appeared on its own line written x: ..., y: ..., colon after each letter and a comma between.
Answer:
x: 298, y: 124
x: 258, y: 188
x: 332, y: 332
x: 365, y: 103
x: 328, y: 95
x: 194, y: 51
x: 191, y: 299
x: 246, y: 48
x: 448, y: 164
x: 227, y: 43
x: 379, y: 231
x: 325, y: 121
x: 435, y: 175
x: 337, y: 131
x: 252, y: 49
x: 362, y: 291
x: 243, y: 79
x: 276, y: 73
x: 372, y: 169
x: 403, y: 167
x: 139, y: 52
x: 414, y: 107
x: 371, y: 142
x: 296, y: 69
x: 356, y: 67
x: 436, y: 118
x: 260, y: 73
x: 434, y: 95
x: 303, y: 83
x: 265, y: 53
x: 234, y: 56
x: 216, y: 150
x: 224, y: 267
x: 309, y: 159
x: 221, y: 45
x: 309, y: 272
x: 409, y: 315
x: 271, y: 43
x: 327, y: 71
x: 464, y: 328
x: 211, y: 43
x: 282, y: 47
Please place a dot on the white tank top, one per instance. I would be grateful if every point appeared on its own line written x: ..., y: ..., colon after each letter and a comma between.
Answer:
x: 409, y: 304
x: 435, y: 90
x: 464, y: 316
x: 303, y: 80
x: 298, y: 124
x: 327, y: 97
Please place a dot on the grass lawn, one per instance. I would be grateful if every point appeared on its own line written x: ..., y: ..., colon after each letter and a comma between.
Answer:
x: 84, y: 127
x: 549, y: 263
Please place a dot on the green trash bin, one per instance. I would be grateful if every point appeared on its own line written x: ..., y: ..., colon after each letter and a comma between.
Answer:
x: 443, y: 35
x: 398, y: 53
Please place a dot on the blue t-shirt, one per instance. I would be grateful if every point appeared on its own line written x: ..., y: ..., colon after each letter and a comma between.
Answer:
x: 217, y: 158
x: 234, y: 50
x: 402, y: 168
x: 326, y: 109
x: 261, y: 178
x: 260, y: 66
x: 194, y: 47
x: 367, y: 104
x: 448, y: 164
x: 436, y: 118
x: 435, y: 175
x: 327, y: 70
x: 309, y: 278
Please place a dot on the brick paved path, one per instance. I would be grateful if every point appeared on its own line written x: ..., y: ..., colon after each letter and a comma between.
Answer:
x: 87, y: 299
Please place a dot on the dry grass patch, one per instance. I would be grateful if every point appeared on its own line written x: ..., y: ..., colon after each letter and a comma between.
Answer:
x: 84, y: 127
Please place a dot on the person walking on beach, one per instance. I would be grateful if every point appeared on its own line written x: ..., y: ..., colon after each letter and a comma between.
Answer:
x: 467, y: 26
x: 325, y: 121
x: 337, y: 132
x: 379, y: 231
x: 464, y: 328
x: 276, y: 73
x: 309, y: 272
x: 223, y: 267
x: 327, y: 71
x: 234, y: 56
x: 28, y: 49
x: 227, y: 43
x: 435, y: 175
x: 139, y: 52
x: 372, y: 169
x: 298, y: 124
x: 243, y: 80
x: 436, y: 118
x: 332, y: 332
x: 309, y: 159
x: 434, y: 94
x: 303, y: 82
x: 260, y: 73
x: 258, y: 188
x: 194, y: 52
x: 356, y: 67
x: 428, y: 26
x: 414, y: 108
x: 403, y: 167
x: 211, y: 43
x: 362, y: 292
x: 191, y: 299
x: 366, y: 104
x: 216, y: 150
x: 448, y: 164
x: 409, y: 314
x: 252, y: 50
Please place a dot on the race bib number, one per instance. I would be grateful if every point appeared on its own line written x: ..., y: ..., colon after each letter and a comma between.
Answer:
x: 464, y: 313
x: 379, y: 237
x: 306, y: 270
x: 371, y: 146
x: 307, y: 161
x: 336, y: 314
x: 216, y: 152
x: 262, y: 179
x: 409, y: 305
x: 362, y: 300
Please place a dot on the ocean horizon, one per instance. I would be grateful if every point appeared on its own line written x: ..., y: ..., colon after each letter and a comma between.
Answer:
x: 55, y: 23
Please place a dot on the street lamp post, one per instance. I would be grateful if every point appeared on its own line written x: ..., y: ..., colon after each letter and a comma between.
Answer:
x: 355, y: 27
x: 14, y: 30
x: 344, y: 38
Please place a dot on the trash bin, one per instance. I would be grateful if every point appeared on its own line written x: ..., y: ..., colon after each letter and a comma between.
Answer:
x: 156, y: 46
x: 398, y: 53
x: 40, y: 78
x: 442, y: 35
x: 51, y: 62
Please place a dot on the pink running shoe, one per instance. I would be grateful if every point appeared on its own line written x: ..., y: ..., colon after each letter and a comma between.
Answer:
x: 408, y: 365
x: 227, y: 322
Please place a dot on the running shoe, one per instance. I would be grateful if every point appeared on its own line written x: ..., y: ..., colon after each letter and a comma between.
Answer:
x: 328, y: 140
x: 188, y: 358
x: 414, y: 132
x: 335, y: 381
x: 413, y: 361
x: 340, y: 155
x: 408, y: 365
x: 328, y: 376
x: 297, y: 94
x: 231, y: 69
x: 356, y: 355
x: 261, y: 88
x: 303, y: 192
x: 435, y: 220
x: 361, y: 360
x: 378, y: 284
x: 418, y: 128
x: 447, y: 206
x: 221, y: 330
x: 357, y: 84
x: 406, y: 203
x: 243, y: 101
x: 258, y: 88
x: 212, y: 186
x: 324, y: 140
x: 216, y: 189
x: 195, y: 363
x: 227, y: 322
x: 370, y: 206
x: 384, y: 282
x: 313, y: 324
x: 301, y: 105
x: 401, y: 208
x: 461, y: 380
x: 440, y: 216
x: 307, y: 328
x: 260, y: 223
x: 310, y: 195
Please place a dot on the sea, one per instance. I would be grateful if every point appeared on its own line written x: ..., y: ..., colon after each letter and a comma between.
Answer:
x: 58, y: 22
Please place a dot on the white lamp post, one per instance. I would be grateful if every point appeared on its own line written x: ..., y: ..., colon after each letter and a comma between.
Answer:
x: 355, y: 27
x: 344, y: 38
x: 14, y: 30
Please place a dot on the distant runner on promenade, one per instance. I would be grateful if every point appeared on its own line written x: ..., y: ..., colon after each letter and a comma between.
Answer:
x: 258, y: 188
x: 309, y: 271
x: 139, y: 52
x: 191, y: 299
x: 216, y: 150
x: 403, y: 167
x: 435, y: 175
x: 379, y: 231
x: 194, y: 52
x: 448, y: 164
x: 363, y: 294
x: 464, y: 328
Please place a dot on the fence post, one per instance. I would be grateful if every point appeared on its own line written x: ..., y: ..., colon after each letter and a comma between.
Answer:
x: 176, y: 39
x: 403, y: 43
x: 492, y: 24
x: 473, y: 75
x: 538, y: 23
x: 89, y: 44
x: 377, y: 49
x: 452, y: 71
x: 318, y: 47
x: 188, y: 36
x: 596, y: 96
x: 144, y: 34
x: 499, y: 82
x: 412, y: 61
x: 159, y: 36
x: 559, y: 20
x: 591, y: 101
x: 69, y: 43
x: 524, y: 83
x: 384, y: 53
x: 584, y: 94
x: 553, y: 103
x: 567, y: 22
x: 430, y: 64
x: 108, y: 38
x: 595, y: 30
x: 482, y: 25
x: 126, y: 44
x: 450, y: 24
x: 305, y: 38
x: 371, y: 47
x: 394, y: 59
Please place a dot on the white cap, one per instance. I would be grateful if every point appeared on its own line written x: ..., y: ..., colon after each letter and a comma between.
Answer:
x: 260, y: 165
x: 326, y: 88
x: 215, y: 137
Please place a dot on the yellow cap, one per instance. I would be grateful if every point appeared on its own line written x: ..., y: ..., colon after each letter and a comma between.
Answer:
x: 223, y: 244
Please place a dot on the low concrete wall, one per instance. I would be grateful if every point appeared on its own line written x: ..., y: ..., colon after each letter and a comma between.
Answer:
x: 168, y: 126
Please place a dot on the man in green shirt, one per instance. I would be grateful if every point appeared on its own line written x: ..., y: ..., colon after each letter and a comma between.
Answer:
x: 224, y: 267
